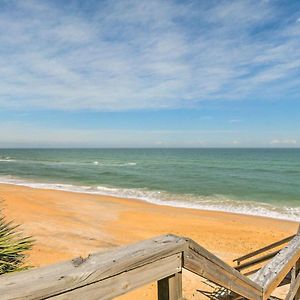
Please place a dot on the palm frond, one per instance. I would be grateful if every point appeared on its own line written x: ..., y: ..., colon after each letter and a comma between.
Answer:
x: 13, y: 246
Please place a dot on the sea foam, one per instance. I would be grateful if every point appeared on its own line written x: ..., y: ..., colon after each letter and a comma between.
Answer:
x: 211, y: 203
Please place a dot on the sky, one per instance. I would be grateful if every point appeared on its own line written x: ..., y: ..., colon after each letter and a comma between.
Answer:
x: 159, y: 73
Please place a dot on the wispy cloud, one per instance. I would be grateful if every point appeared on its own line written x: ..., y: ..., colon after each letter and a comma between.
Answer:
x: 283, y: 142
x: 122, y: 55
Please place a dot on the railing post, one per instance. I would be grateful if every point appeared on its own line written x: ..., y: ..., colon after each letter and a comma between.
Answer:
x: 294, y: 291
x: 297, y: 270
x: 297, y: 273
x: 170, y: 288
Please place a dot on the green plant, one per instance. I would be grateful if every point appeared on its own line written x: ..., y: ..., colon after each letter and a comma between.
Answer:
x: 13, y: 246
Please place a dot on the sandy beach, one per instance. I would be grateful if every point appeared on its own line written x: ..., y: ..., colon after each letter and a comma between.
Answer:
x: 127, y: 120
x: 66, y: 225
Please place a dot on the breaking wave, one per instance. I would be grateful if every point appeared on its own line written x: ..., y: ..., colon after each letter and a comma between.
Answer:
x: 212, y: 202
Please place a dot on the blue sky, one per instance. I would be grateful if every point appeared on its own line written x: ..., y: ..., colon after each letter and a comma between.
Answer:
x: 149, y: 73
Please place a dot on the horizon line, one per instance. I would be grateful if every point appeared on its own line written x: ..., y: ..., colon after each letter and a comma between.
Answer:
x: 133, y: 148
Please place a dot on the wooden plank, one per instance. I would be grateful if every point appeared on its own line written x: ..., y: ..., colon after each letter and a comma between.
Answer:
x: 122, y: 283
x: 272, y: 274
x: 170, y: 288
x: 251, y: 272
x: 53, y: 280
x: 294, y: 289
x: 297, y: 273
x: 200, y: 261
x: 255, y: 261
x: 263, y: 249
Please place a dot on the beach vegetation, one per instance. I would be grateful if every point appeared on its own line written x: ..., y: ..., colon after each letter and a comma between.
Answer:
x: 13, y: 247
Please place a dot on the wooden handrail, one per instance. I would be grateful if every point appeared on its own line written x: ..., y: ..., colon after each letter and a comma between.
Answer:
x: 263, y: 249
x: 110, y: 274
x: 205, y: 264
x: 256, y: 261
x: 274, y: 272
x: 294, y: 288
x: 100, y: 276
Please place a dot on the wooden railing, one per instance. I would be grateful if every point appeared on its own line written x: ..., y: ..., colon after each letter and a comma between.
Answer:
x: 273, y: 273
x: 110, y: 274
x: 252, y: 259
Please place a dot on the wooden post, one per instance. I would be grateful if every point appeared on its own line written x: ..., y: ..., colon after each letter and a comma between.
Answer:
x: 297, y: 273
x: 297, y: 269
x: 294, y: 291
x: 170, y: 288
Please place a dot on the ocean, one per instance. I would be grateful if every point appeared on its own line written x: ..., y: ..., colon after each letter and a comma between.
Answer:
x: 263, y: 182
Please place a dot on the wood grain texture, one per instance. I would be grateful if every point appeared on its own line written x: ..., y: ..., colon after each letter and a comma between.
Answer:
x: 122, y: 283
x: 273, y: 273
x: 107, y: 275
x: 293, y: 293
x: 200, y: 261
x: 294, y: 289
x: 49, y: 281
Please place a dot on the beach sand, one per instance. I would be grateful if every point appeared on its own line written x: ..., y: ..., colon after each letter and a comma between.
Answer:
x: 66, y: 225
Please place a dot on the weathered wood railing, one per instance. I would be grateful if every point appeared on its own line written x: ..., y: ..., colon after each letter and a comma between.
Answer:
x: 263, y: 249
x: 110, y: 274
x: 273, y: 273
x: 253, y: 258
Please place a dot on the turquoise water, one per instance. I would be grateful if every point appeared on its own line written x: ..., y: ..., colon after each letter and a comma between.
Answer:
x: 252, y: 181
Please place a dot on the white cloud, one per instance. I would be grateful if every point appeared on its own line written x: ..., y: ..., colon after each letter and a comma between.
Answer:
x: 121, y: 55
x: 283, y: 142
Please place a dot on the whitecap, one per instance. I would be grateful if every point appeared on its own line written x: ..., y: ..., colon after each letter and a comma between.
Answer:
x: 6, y: 160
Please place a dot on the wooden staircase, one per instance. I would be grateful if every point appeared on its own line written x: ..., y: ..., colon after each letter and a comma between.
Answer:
x: 250, y: 264
x: 162, y: 259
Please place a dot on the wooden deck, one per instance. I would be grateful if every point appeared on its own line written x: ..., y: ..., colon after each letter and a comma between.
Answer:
x: 108, y: 275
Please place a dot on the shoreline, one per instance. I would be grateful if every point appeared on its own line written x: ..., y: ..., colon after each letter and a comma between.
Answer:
x: 6, y: 191
x: 169, y: 203
x: 66, y: 225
